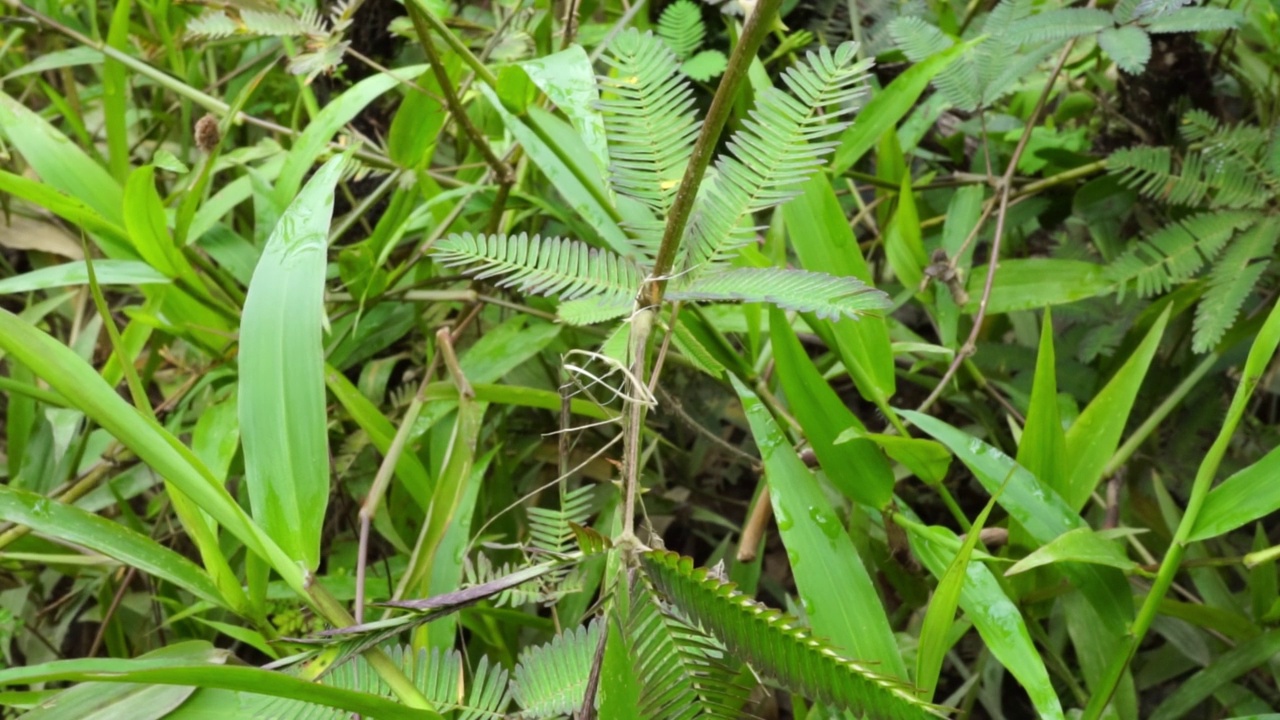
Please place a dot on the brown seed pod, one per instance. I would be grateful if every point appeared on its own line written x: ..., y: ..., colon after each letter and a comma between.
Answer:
x: 207, y: 135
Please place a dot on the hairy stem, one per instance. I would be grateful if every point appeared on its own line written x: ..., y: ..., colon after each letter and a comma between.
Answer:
x: 650, y: 300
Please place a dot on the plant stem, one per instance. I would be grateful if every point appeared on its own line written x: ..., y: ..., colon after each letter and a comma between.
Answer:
x: 501, y: 170
x: 650, y: 300
x: 1003, y: 195
x: 753, y: 32
x: 1260, y: 356
x: 456, y: 45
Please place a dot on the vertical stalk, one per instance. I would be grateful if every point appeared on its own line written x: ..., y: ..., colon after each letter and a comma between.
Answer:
x: 650, y: 300
x: 1260, y: 355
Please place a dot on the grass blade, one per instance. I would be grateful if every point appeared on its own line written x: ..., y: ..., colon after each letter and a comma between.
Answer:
x: 841, y: 601
x: 59, y: 162
x: 996, y: 618
x: 824, y: 241
x: 1095, y: 435
x: 856, y: 467
x: 73, y: 525
x: 66, y: 373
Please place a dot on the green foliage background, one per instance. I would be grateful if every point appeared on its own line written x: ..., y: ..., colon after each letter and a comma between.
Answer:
x: 639, y: 360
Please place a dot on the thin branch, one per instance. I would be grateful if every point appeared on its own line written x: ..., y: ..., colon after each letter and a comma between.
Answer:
x: 1005, y: 188
x: 501, y: 170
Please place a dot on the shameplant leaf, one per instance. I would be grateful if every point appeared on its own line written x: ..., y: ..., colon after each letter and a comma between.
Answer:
x: 825, y: 295
x: 776, y: 646
x: 544, y: 266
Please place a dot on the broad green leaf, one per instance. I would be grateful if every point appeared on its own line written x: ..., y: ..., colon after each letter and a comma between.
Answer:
x: 889, y: 106
x: 70, y: 524
x: 1035, y: 283
x: 111, y: 235
x: 854, y: 466
x: 553, y: 163
x: 108, y: 272
x: 411, y: 139
x: 447, y: 567
x: 1042, y: 448
x: 337, y: 113
x: 115, y: 93
x: 59, y: 162
x: 1095, y: 435
x: 452, y: 486
x: 71, y: 57
x: 619, y: 684
x: 997, y: 619
x: 837, y: 592
x: 282, y: 403
x: 1083, y: 545
x: 409, y: 468
x: 824, y: 242
x: 926, y: 459
x: 145, y: 221
x: 113, y: 701
x: 903, y: 245
x: 569, y: 81
x: 1246, y: 496
x: 1039, y: 510
x: 940, y: 616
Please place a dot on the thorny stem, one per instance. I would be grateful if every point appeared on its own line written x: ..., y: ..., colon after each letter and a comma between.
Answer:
x: 650, y: 299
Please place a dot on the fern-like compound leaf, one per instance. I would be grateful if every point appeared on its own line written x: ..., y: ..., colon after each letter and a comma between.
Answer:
x: 705, y: 65
x: 782, y: 143
x: 777, y: 646
x: 550, y: 530
x: 1195, y: 19
x: 551, y: 680
x: 544, y: 266
x: 1231, y: 281
x: 1176, y: 252
x: 917, y: 38
x: 649, y: 121
x: 212, y: 25
x: 827, y: 296
x: 436, y: 674
x: 1059, y: 24
x: 1128, y: 47
x: 681, y: 28
x: 593, y: 310
x: 1222, y: 182
x: 685, y: 674
x: 280, y: 24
